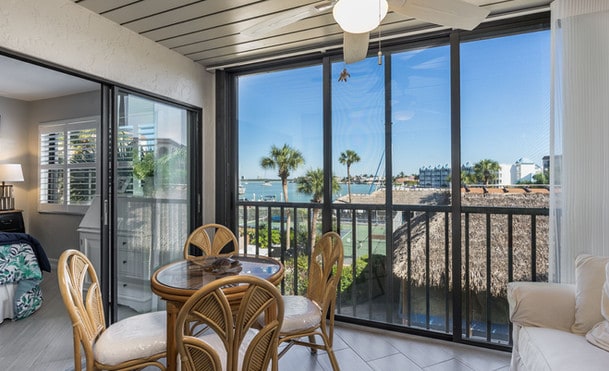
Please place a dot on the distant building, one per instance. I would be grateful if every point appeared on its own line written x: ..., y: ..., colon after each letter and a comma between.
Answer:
x: 545, y: 167
x: 523, y: 170
x: 504, y: 176
x: 434, y: 176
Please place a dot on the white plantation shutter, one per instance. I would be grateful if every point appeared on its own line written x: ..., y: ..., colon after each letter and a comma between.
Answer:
x: 52, y: 157
x: 68, y: 165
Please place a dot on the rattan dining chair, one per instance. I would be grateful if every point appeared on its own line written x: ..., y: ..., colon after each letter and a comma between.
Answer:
x: 129, y: 344
x: 212, y: 239
x: 232, y: 340
x: 312, y: 315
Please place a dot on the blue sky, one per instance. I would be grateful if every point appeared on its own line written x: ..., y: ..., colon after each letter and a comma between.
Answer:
x: 505, y: 105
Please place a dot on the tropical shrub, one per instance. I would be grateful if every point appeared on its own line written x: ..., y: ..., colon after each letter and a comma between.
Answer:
x: 263, y: 237
x: 302, y: 275
x: 347, y: 278
x: 357, y: 286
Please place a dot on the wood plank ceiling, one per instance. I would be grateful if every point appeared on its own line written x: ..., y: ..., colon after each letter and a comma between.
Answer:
x: 209, y: 31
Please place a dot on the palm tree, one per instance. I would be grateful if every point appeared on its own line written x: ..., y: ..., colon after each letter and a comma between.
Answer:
x: 347, y: 158
x: 285, y: 160
x: 486, y: 170
x: 467, y: 177
x: 312, y: 183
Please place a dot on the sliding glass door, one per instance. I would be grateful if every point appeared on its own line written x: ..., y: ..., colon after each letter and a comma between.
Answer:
x: 153, y: 156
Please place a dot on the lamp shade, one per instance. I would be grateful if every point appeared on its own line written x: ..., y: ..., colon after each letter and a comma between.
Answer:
x: 11, y: 173
x: 359, y: 16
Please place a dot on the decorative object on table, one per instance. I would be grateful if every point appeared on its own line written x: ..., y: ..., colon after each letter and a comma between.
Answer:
x: 9, y: 173
x: 218, y: 265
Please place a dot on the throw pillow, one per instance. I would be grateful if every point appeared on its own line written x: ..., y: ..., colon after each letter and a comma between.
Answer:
x: 599, y: 335
x: 589, y: 281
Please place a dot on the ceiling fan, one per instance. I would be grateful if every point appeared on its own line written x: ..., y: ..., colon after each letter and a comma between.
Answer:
x: 358, y: 17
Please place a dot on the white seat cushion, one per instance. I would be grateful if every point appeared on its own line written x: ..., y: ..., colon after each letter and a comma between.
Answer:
x: 299, y: 314
x: 139, y: 336
x: 548, y: 349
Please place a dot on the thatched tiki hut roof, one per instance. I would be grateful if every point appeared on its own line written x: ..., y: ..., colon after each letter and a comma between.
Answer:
x: 475, y: 241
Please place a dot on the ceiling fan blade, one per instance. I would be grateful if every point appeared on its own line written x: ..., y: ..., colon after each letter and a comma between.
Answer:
x: 452, y: 13
x: 286, y: 18
x: 355, y: 46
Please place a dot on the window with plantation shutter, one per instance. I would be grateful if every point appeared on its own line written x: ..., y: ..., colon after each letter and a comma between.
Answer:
x: 68, y: 165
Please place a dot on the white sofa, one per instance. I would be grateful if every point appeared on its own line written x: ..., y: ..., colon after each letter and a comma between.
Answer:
x: 561, y: 326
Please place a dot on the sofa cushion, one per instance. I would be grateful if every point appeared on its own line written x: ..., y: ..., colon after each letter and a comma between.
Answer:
x: 599, y: 335
x: 526, y: 298
x: 549, y: 349
x: 589, y: 280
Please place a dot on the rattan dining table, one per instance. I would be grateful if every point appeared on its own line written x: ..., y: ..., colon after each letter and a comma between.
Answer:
x: 178, y: 281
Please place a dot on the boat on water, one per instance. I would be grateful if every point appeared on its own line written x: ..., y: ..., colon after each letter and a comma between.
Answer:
x: 241, y: 189
x: 266, y: 183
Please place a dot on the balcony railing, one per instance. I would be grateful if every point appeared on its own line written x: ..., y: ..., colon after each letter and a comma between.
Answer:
x: 403, y: 277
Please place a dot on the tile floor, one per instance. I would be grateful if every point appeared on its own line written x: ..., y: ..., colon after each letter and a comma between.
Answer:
x: 358, y: 349
x: 43, y: 342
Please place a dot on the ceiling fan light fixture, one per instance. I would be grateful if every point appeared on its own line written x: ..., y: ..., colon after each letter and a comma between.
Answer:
x: 359, y: 16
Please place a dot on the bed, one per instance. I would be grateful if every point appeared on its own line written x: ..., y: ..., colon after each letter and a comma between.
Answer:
x: 22, y: 260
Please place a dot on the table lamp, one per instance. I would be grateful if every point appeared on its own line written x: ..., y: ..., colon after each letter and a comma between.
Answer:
x: 9, y: 173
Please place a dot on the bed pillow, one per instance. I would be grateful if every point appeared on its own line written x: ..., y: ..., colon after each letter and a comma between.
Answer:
x: 589, y: 281
x: 599, y: 335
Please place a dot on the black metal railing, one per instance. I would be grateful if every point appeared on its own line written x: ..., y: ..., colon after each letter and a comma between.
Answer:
x: 513, y: 243
x: 403, y: 277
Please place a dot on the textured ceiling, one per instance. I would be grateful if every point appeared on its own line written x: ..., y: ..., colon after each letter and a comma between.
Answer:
x: 209, y: 32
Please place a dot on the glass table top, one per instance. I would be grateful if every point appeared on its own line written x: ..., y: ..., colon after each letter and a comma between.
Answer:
x: 193, y: 274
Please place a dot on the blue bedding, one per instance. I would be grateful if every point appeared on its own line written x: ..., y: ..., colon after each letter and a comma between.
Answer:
x: 21, y: 260
x: 7, y: 238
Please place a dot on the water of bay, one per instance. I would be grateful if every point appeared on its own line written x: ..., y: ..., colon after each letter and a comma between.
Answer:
x: 260, y: 190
